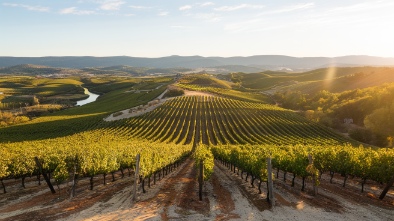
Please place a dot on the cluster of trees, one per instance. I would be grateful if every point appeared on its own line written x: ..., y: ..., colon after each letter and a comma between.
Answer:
x: 14, y: 102
x: 9, y: 118
x: 174, y: 92
x: 370, y: 108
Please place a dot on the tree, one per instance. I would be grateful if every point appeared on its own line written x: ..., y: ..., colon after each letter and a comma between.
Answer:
x: 361, y: 134
x: 381, y: 122
x: 315, y: 116
x: 35, y: 101
x: 294, y: 100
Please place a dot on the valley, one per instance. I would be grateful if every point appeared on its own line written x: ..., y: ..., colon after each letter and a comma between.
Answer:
x: 95, y: 146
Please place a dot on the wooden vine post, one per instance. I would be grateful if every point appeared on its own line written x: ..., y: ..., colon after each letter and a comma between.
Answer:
x: 38, y: 163
x: 270, y: 196
x: 200, y: 179
x: 74, y: 180
x: 386, y: 189
x: 136, y: 176
x: 315, y: 189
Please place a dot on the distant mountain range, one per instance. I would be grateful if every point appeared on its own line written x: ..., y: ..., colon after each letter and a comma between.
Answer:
x: 249, y: 64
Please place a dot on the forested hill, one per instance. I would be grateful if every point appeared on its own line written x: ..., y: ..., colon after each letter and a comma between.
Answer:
x: 268, y: 62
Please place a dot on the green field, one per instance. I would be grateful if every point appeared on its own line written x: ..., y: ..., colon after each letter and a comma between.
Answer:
x: 79, y: 119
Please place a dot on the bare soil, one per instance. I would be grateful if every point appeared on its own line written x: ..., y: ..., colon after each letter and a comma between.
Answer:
x: 175, y: 197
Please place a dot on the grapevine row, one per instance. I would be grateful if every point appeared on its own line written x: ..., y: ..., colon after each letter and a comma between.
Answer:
x: 95, y: 152
x: 365, y: 163
x: 215, y: 120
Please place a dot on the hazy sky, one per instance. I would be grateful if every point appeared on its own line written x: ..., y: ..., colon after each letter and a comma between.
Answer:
x: 156, y: 28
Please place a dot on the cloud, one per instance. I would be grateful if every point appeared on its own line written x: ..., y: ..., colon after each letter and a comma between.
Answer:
x: 139, y: 7
x: 185, y: 7
x: 75, y: 11
x: 295, y: 7
x: 352, y: 8
x: 242, y: 26
x: 165, y: 13
x: 298, y: 7
x: 351, y: 14
x: 179, y: 27
x: 365, y: 6
x: 206, y: 4
x: 188, y: 7
x: 111, y: 5
x: 237, y: 7
x: 211, y: 17
x: 255, y: 25
x: 28, y: 7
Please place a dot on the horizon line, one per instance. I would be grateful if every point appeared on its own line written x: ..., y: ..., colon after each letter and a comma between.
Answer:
x: 108, y: 56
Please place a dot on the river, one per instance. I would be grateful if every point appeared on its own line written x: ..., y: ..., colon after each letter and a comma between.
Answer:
x: 92, y: 97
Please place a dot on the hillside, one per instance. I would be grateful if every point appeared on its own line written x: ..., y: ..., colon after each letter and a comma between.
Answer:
x: 30, y: 69
x: 81, y: 152
x: 78, y: 119
x: 330, y: 79
x: 270, y: 62
x: 204, y: 80
x: 119, y: 70
x: 221, y: 86
x: 356, y: 78
x: 214, y: 121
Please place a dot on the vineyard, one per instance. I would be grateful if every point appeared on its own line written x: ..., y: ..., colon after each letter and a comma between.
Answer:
x: 254, y: 131
x: 221, y: 88
x: 86, y: 154
x: 215, y: 120
x: 346, y: 160
x: 238, y: 131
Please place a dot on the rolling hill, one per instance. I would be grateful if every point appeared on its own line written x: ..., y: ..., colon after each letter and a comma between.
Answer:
x: 268, y: 62
x: 330, y: 79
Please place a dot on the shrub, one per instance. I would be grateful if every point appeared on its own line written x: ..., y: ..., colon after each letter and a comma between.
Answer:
x: 118, y: 113
x: 174, y: 93
x: 361, y: 134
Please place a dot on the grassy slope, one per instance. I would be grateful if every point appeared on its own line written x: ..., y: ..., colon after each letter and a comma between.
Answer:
x: 40, y: 86
x: 205, y: 80
x: 313, y: 81
x: 367, y: 78
x: 82, y: 118
x: 207, y: 83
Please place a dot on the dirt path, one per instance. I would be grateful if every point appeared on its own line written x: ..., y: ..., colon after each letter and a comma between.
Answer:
x: 332, y: 203
x: 233, y: 203
x: 42, y: 205
x: 175, y: 197
x: 137, y: 111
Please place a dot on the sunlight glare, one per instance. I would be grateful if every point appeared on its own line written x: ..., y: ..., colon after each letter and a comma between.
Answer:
x: 300, y: 205
x: 330, y: 75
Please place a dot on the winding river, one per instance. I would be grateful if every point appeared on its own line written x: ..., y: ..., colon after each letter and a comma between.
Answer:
x: 92, y: 97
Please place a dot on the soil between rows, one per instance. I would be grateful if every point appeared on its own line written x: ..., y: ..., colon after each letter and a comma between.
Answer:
x: 175, y: 197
